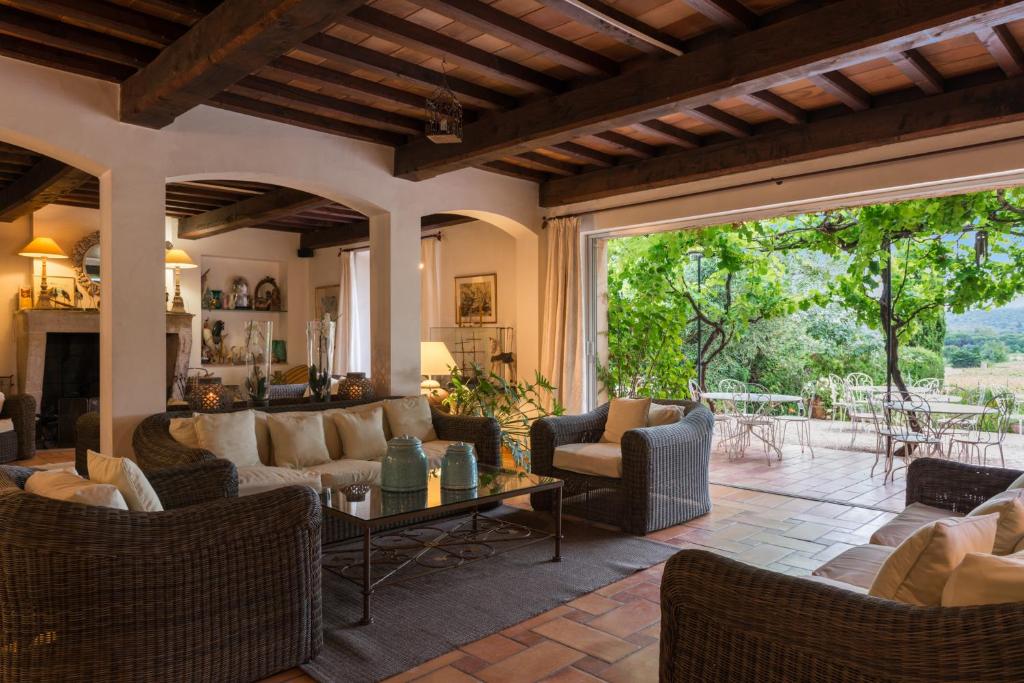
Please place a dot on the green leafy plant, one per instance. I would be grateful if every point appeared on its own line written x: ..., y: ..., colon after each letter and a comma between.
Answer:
x: 515, y: 405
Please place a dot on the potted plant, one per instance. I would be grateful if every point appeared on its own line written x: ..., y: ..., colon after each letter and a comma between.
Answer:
x: 515, y: 405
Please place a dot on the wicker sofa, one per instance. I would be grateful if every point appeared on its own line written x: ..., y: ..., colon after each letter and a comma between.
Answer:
x: 21, y: 410
x: 723, y: 620
x: 664, y: 469
x: 214, y: 588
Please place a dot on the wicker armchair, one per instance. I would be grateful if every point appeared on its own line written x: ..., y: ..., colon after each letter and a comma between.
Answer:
x: 20, y: 409
x: 723, y: 620
x: 664, y: 470
x: 214, y: 588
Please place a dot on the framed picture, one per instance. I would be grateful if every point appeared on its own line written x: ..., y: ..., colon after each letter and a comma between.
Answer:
x: 327, y: 301
x: 476, y: 299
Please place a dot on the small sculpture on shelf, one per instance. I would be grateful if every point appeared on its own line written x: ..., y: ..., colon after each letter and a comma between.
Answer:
x: 213, y: 342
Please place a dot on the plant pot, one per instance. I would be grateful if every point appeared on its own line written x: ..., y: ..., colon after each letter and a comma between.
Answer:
x: 818, y: 411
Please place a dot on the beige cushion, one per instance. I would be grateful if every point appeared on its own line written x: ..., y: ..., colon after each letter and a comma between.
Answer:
x: 1018, y: 483
x: 362, y: 433
x: 138, y: 493
x: 983, y: 579
x: 331, y: 437
x: 856, y: 566
x: 347, y: 471
x: 599, y: 459
x: 231, y: 436
x: 264, y: 445
x: 435, y: 450
x: 183, y: 430
x: 68, y: 486
x: 260, y: 478
x: 918, y: 569
x: 1009, y: 505
x: 902, y: 526
x: 298, y: 439
x: 660, y: 415
x: 625, y: 414
x: 364, y: 407
x: 410, y: 416
x: 6, y: 424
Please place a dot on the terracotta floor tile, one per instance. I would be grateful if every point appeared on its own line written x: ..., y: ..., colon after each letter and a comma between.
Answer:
x: 470, y: 664
x: 532, y: 664
x: 586, y: 639
x: 628, y: 619
x: 598, y: 604
x: 537, y: 620
x: 640, y: 667
x: 644, y: 591
x: 426, y: 667
x: 493, y: 648
x: 447, y: 674
x: 527, y: 638
x: 572, y: 675
x: 591, y: 665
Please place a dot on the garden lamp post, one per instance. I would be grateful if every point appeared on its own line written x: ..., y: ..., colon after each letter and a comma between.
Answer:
x: 698, y: 256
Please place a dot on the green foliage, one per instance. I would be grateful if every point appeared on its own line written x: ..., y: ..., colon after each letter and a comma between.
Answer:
x: 963, y: 356
x: 994, y: 351
x: 919, y: 363
x: 931, y: 331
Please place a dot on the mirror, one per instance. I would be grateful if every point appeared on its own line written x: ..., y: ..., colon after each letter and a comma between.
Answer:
x: 85, y: 258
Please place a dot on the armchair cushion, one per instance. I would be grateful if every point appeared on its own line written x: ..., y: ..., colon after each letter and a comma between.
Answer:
x: 599, y: 459
x: 259, y: 478
x: 67, y: 486
x: 435, y: 450
x: 129, y: 480
x: 1010, y: 507
x: 903, y: 525
x: 661, y: 415
x: 857, y: 566
x: 983, y: 579
x: 410, y: 416
x: 625, y: 414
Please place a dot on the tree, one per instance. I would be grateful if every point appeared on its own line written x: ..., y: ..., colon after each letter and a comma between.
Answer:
x: 994, y: 351
x: 964, y: 356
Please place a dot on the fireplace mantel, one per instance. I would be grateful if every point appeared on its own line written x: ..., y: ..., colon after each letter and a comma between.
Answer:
x: 32, y: 326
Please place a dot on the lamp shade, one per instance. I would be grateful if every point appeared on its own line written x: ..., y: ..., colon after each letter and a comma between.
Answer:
x: 435, y: 359
x: 42, y: 246
x: 177, y: 258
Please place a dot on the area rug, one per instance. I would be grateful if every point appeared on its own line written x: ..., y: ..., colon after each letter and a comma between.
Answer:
x: 430, y: 615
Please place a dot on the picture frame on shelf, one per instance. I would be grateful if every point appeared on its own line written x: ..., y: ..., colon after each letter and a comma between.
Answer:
x: 476, y: 299
x: 326, y: 301
x: 64, y: 292
x: 267, y: 295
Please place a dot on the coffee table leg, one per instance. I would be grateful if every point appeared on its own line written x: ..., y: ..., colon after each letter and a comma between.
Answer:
x: 558, y: 526
x: 367, y: 578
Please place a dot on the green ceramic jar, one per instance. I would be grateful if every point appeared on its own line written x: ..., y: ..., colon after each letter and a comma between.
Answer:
x: 458, y: 469
x: 404, y: 467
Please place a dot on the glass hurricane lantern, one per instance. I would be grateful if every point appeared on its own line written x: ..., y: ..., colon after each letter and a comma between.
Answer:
x: 258, y: 334
x: 320, y: 357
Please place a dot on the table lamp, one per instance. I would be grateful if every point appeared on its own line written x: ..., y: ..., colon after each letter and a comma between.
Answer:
x: 178, y: 259
x: 435, y: 359
x: 43, y: 248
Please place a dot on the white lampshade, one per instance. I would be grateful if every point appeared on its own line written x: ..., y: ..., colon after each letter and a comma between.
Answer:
x: 435, y: 359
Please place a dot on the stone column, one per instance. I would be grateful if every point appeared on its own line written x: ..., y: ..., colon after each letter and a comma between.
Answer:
x: 395, y: 303
x: 133, y: 328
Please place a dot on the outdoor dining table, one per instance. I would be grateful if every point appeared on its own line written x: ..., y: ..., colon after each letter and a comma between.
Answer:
x: 927, y: 396
x: 743, y: 396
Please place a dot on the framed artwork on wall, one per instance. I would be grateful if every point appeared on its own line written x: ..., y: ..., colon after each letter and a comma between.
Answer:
x: 476, y: 299
x: 327, y: 301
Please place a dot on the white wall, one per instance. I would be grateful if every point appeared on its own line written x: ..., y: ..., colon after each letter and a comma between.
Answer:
x: 15, y: 273
x: 479, y: 248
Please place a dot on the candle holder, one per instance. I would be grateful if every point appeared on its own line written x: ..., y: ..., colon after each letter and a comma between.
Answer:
x: 355, y: 387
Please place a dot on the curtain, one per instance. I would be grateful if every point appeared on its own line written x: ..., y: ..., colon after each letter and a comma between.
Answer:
x: 430, y: 285
x: 344, y: 334
x: 562, y: 329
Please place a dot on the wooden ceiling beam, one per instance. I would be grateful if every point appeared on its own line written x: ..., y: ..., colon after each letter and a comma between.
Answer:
x: 494, y: 22
x: 927, y: 116
x: 185, y: 12
x: 587, y: 154
x: 617, y: 24
x: 421, y: 39
x: 671, y: 134
x: 831, y: 37
x: 341, y: 51
x: 723, y: 121
x: 336, y: 236
x: 918, y: 69
x: 248, y: 212
x: 777, y: 106
x: 291, y: 67
x: 839, y: 86
x: 1004, y: 48
x: 234, y: 40
x: 44, y: 183
x: 515, y: 171
x: 106, y: 17
x: 57, y: 58
x: 629, y: 145
x: 731, y: 15
x: 436, y: 221
x: 548, y: 164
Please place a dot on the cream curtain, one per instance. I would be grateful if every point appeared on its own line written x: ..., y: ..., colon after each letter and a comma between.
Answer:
x: 344, y: 334
x: 562, y: 331
x: 430, y: 285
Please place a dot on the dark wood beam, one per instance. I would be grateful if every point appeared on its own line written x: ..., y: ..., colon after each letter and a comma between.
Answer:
x: 443, y: 220
x: 1004, y: 48
x: 919, y: 70
x: 949, y: 112
x: 777, y: 106
x: 732, y: 15
x: 621, y: 26
x: 723, y: 121
x: 64, y: 60
x: 248, y: 212
x: 548, y: 164
x: 839, y: 86
x: 44, y: 183
x: 343, y: 52
x: 823, y: 40
x: 304, y: 119
x: 671, y: 134
x: 289, y: 67
x: 587, y: 154
x: 515, y: 171
x: 629, y: 145
x: 339, y: 235
x: 185, y: 12
x: 494, y: 22
x: 106, y: 17
x: 234, y: 40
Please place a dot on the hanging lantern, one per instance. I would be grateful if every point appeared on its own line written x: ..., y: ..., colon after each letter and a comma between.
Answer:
x: 445, y: 124
x: 980, y: 246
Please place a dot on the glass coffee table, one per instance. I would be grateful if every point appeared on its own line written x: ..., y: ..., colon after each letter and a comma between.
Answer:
x: 390, y: 553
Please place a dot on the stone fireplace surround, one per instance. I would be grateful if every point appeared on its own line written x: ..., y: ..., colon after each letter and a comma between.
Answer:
x: 32, y: 326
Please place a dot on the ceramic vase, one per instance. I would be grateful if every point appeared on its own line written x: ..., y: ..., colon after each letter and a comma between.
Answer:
x: 458, y: 469
x: 404, y: 467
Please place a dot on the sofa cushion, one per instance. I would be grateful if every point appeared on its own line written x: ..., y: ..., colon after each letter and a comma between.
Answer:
x: 231, y: 436
x: 902, y: 526
x: 599, y: 459
x: 362, y: 433
x: 856, y: 566
x: 660, y: 415
x: 1010, y: 507
x: 298, y: 439
x: 825, y: 581
x: 625, y: 414
x: 183, y: 430
x: 983, y: 579
x: 259, y: 478
x: 138, y: 493
x: 917, y: 570
x: 345, y: 472
x: 435, y: 450
x: 264, y: 444
x: 410, y: 416
x: 66, y: 485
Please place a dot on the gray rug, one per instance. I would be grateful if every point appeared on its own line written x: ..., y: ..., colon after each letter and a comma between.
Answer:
x: 430, y: 615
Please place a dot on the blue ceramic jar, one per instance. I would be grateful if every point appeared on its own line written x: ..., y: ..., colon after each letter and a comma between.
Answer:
x: 404, y: 467
x: 458, y: 469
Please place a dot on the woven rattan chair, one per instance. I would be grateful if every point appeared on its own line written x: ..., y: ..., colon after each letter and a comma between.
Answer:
x: 21, y: 410
x: 215, y: 588
x: 664, y: 470
x: 724, y: 620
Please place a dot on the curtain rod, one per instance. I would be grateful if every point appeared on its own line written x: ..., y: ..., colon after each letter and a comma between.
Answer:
x: 343, y: 250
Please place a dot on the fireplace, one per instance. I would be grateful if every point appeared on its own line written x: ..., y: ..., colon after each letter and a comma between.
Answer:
x: 71, y: 384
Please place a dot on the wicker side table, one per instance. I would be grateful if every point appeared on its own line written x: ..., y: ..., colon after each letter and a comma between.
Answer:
x: 8, y: 446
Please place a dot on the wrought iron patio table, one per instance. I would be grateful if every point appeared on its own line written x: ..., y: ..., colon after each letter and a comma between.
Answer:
x: 415, y: 549
x: 742, y: 396
x: 930, y: 397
